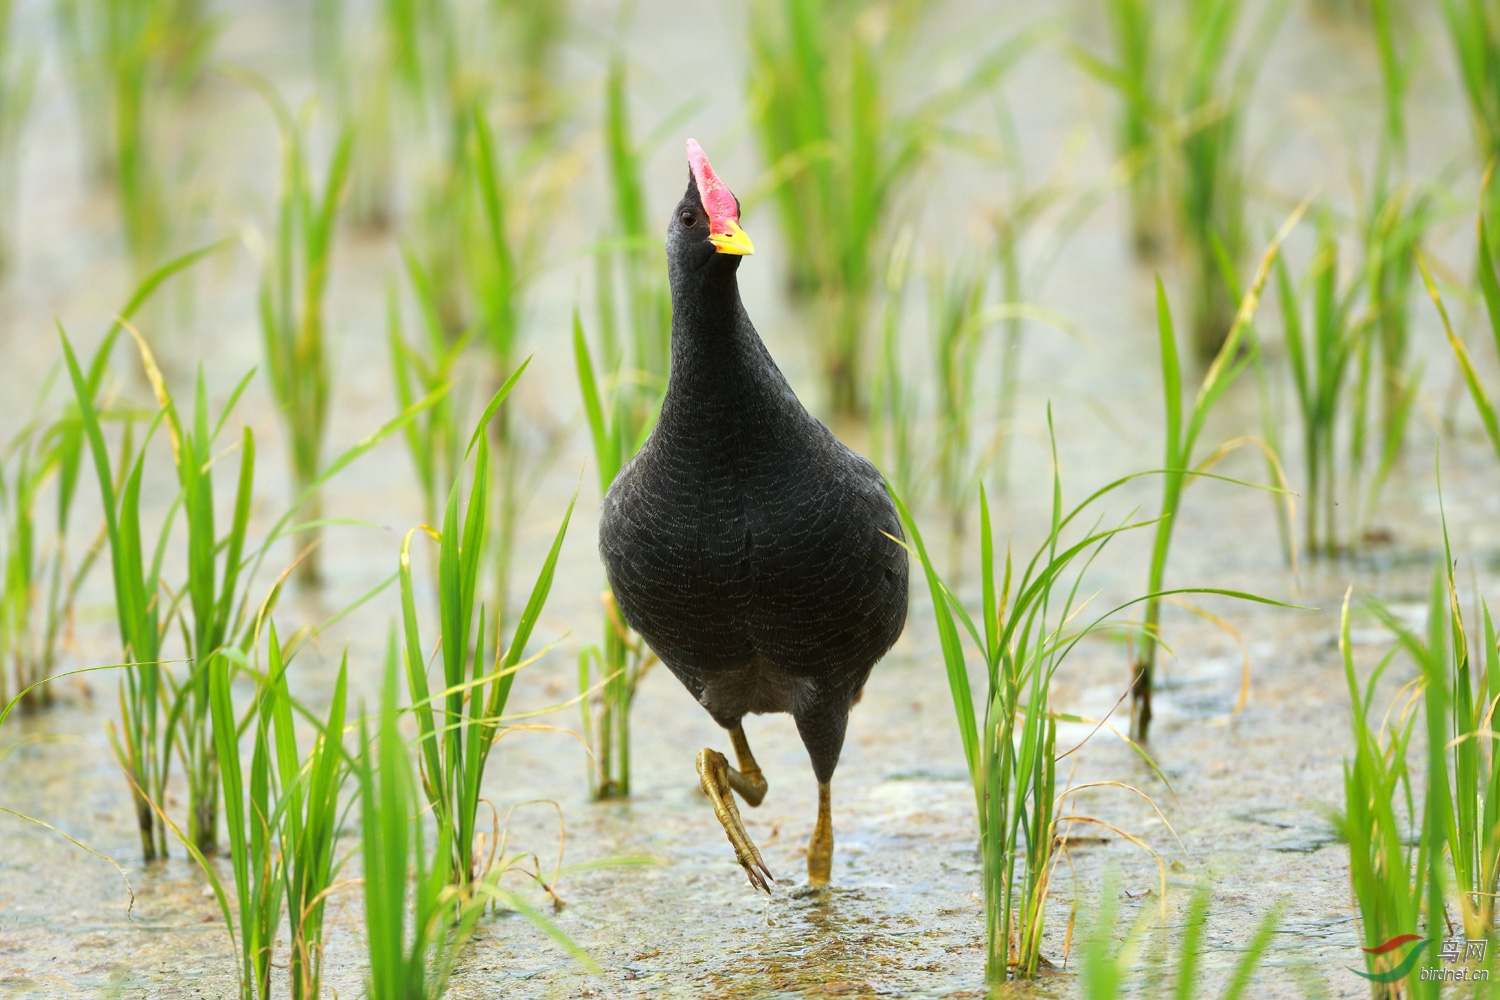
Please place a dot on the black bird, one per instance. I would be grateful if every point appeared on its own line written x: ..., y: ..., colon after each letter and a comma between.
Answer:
x: 754, y: 552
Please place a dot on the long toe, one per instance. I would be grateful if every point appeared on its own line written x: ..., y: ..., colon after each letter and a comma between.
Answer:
x: 713, y: 774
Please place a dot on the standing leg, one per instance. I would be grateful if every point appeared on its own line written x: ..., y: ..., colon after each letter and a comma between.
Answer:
x: 820, y: 848
x: 822, y: 732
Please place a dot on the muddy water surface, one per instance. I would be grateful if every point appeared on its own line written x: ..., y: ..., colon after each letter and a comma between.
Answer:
x: 1250, y: 791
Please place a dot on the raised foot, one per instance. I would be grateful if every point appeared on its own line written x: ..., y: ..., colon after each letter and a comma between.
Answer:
x: 713, y: 775
x: 748, y: 779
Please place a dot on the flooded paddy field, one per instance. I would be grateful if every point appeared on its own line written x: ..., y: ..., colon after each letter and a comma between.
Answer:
x: 1252, y: 729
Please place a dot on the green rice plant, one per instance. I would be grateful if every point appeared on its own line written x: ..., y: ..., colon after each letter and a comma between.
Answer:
x: 1181, y: 460
x: 1210, y: 89
x: 1396, y: 217
x: 1320, y: 359
x: 895, y: 399
x: 1024, y: 206
x: 958, y: 329
x: 353, y: 63
x: 1474, y: 28
x: 498, y: 279
x: 294, y: 280
x: 1137, y: 76
x: 1026, y: 630
x: 637, y: 262
x: 1107, y: 965
x: 283, y: 825
x: 1392, y: 866
x: 1489, y: 285
x: 1137, y: 142
x: 618, y: 429
x: 38, y: 582
x: 507, y: 201
x: 132, y: 62
x: 534, y: 33
x: 17, y: 80
x: 842, y: 156
x: 433, y: 441
x: 419, y: 910
x: 142, y: 755
x: 163, y: 714
x: 1382, y: 356
x: 1389, y: 23
x: 206, y: 607
x: 415, y: 963
x: 459, y: 723
x: 1459, y: 694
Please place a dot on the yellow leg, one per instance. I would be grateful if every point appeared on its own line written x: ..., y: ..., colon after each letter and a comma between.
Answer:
x: 713, y: 774
x: 748, y: 780
x: 820, y: 848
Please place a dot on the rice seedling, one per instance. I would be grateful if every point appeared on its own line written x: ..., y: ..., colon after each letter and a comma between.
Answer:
x: 618, y: 429
x: 434, y: 442
x: 1319, y: 361
x: 132, y: 60
x: 1388, y: 22
x: 498, y: 277
x: 1027, y: 629
x: 1209, y: 171
x: 1107, y: 966
x: 294, y: 281
x: 1181, y: 460
x: 416, y: 963
x: 1135, y: 75
x: 161, y: 714
x: 459, y: 723
x: 17, y: 80
x: 1396, y: 217
x: 502, y: 235
x: 1460, y: 683
x: 958, y: 329
x: 895, y: 400
x: 419, y: 909
x: 534, y: 33
x: 1489, y: 284
x: 38, y: 582
x: 141, y: 753
x: 637, y: 263
x: 353, y: 63
x: 141, y: 756
x: 1392, y: 237
x: 1474, y: 29
x: 210, y: 591
x: 209, y: 596
x: 842, y: 157
x: 283, y: 825
x: 1392, y: 867
x: 1020, y: 267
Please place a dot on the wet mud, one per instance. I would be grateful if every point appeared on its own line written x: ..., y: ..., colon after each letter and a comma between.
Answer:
x: 1251, y: 791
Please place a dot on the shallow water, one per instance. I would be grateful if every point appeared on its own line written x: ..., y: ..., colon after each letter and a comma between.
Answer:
x: 1249, y: 791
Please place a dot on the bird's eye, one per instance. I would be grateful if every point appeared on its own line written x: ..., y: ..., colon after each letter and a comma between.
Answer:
x: 688, y: 218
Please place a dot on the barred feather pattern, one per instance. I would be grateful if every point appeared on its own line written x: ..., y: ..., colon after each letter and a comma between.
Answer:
x: 752, y: 550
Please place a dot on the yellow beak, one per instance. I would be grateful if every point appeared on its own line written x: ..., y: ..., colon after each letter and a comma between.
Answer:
x: 736, y: 241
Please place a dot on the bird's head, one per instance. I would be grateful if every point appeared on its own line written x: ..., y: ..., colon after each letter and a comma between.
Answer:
x: 706, y: 222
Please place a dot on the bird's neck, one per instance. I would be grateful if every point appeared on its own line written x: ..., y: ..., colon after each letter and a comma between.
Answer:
x: 721, y: 371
